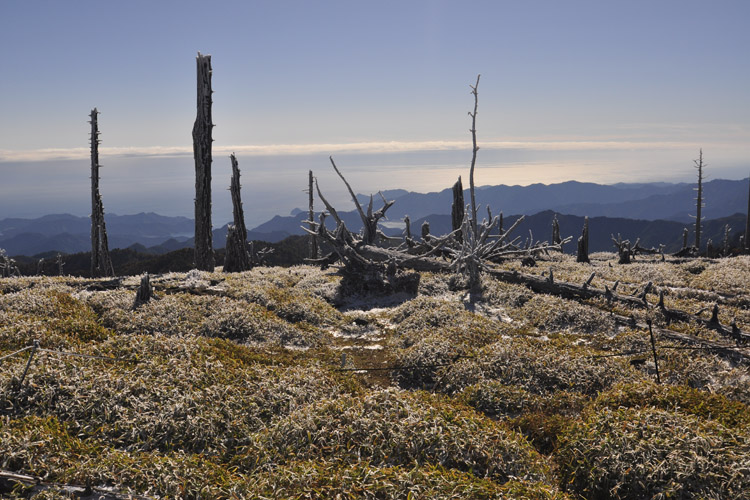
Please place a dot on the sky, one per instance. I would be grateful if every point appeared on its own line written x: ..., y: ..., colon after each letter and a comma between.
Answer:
x: 587, y: 90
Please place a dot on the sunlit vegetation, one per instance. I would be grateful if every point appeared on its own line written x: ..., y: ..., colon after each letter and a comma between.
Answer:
x: 273, y: 384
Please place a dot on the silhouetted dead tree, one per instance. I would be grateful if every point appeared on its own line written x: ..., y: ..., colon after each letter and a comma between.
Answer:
x: 313, y: 245
x: 458, y: 208
x: 556, y: 231
x: 583, y: 243
x: 101, y: 264
x: 474, y: 149
x: 237, y: 257
x: 747, y: 222
x: 202, y: 144
x: 699, y: 201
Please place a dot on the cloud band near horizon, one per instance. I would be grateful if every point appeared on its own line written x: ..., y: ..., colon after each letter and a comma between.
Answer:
x: 373, y: 147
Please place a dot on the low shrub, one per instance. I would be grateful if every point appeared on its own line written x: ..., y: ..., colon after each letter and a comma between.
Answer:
x: 396, y: 428
x: 652, y: 453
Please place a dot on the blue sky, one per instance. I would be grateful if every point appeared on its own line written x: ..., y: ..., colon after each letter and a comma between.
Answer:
x: 602, y: 91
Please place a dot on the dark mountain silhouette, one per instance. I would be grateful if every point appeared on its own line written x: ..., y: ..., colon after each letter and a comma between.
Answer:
x: 626, y: 207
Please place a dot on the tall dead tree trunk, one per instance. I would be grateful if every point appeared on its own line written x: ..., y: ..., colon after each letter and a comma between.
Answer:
x: 583, y: 243
x: 699, y: 200
x: 747, y: 222
x: 457, y: 209
x: 314, y: 250
x: 202, y: 143
x: 474, y: 223
x: 237, y: 258
x: 101, y: 264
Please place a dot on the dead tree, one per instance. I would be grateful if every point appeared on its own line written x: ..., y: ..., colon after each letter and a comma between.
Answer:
x: 556, y: 231
x: 474, y: 150
x: 101, y: 264
x: 145, y: 292
x: 237, y: 258
x: 480, y: 245
x: 202, y: 143
x: 313, y: 245
x: 8, y: 266
x: 747, y: 222
x: 725, y: 251
x: 583, y: 243
x: 699, y: 200
x: 623, y: 249
x: 457, y: 208
x: 370, y: 231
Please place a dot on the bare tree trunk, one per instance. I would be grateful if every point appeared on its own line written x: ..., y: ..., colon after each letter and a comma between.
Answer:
x: 202, y: 143
x: 457, y: 209
x: 314, y: 251
x: 699, y: 200
x: 237, y: 258
x: 556, y: 231
x: 101, y: 264
x: 747, y: 222
x: 583, y: 243
x: 474, y: 226
x: 145, y: 292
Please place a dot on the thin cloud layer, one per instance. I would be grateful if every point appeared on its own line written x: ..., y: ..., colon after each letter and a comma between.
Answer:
x: 380, y: 147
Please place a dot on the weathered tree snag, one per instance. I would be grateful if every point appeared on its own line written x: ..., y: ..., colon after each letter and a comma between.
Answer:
x: 8, y: 266
x: 370, y: 221
x: 747, y: 222
x: 699, y: 200
x: 623, y: 249
x: 237, y: 258
x: 556, y: 231
x: 474, y: 150
x: 583, y: 243
x: 60, y: 264
x: 457, y: 209
x: 202, y: 144
x: 725, y: 244
x: 426, y: 231
x: 145, y: 292
x: 313, y: 245
x: 101, y: 264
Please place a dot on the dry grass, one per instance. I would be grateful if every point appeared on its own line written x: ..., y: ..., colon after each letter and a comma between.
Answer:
x: 228, y: 386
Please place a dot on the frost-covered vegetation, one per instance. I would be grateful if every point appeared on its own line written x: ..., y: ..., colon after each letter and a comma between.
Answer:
x: 251, y: 385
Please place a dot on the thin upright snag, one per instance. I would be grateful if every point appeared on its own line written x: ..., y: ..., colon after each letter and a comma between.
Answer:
x: 237, y: 257
x: 699, y: 200
x: 474, y: 149
x: 202, y: 144
x: 101, y: 264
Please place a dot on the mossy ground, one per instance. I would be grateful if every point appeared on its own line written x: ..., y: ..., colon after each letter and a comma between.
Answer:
x: 247, y: 386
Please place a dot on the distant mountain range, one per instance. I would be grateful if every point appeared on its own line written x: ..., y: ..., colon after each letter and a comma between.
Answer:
x: 655, y: 212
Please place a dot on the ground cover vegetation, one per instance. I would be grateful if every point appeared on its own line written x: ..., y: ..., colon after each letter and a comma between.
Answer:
x: 272, y: 383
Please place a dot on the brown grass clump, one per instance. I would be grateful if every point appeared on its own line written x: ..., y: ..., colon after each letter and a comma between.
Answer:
x: 325, y: 479
x: 651, y: 453
x: 677, y: 399
x: 395, y: 428
x: 50, y: 315
x: 542, y: 367
x: 180, y: 394
x: 553, y: 314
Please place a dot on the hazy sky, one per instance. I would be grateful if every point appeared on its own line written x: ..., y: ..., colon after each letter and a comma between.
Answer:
x: 602, y: 91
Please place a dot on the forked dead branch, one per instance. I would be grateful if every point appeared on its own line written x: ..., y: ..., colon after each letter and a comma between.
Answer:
x: 469, y: 249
